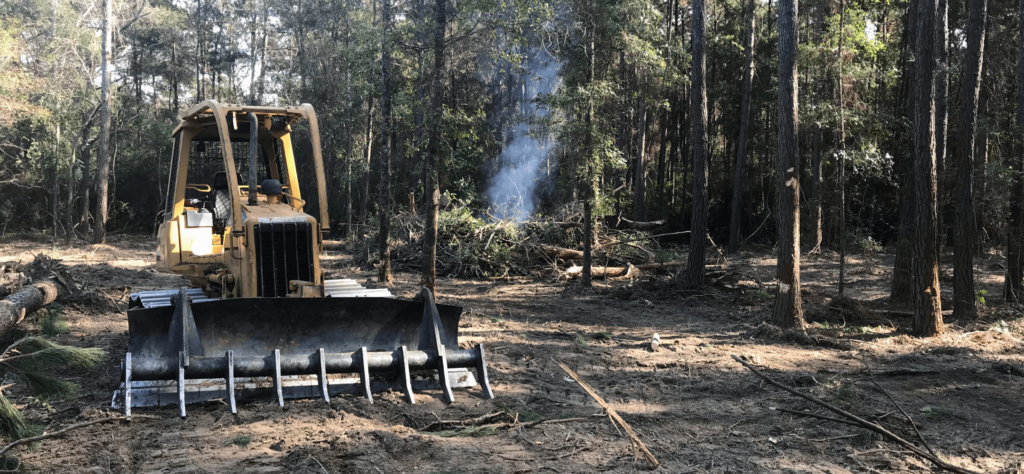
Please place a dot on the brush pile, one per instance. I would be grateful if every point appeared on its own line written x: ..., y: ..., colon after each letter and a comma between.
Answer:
x: 475, y: 247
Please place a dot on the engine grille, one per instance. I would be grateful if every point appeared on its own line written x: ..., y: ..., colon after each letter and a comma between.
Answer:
x: 284, y: 252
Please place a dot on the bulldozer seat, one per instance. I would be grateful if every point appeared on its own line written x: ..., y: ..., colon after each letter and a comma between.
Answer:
x: 222, y: 199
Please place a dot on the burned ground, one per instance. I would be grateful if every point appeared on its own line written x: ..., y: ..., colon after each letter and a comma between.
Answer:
x: 695, y: 408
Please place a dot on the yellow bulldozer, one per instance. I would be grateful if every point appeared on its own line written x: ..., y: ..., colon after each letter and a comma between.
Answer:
x: 259, y: 317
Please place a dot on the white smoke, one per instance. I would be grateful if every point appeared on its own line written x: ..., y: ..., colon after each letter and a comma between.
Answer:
x: 514, y: 189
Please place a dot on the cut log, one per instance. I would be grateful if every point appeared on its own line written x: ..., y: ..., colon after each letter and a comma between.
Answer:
x: 618, y: 272
x: 28, y: 300
x: 335, y: 245
x: 640, y: 225
x: 561, y: 252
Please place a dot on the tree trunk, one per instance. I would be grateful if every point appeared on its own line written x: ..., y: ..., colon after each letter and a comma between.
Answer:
x: 902, y: 292
x: 842, y: 154
x: 640, y: 173
x: 965, y: 232
x: 741, y: 144
x: 816, y: 214
x: 349, y: 148
x: 588, y: 202
x: 1014, y: 285
x: 699, y: 105
x: 26, y: 301
x: 103, y: 146
x: 434, y: 149
x: 364, y: 207
x: 662, y: 151
x: 384, y: 201
x: 927, y: 302
x: 85, y: 185
x: 788, y: 305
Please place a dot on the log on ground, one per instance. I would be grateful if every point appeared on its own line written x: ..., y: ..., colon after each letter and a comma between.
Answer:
x: 26, y: 301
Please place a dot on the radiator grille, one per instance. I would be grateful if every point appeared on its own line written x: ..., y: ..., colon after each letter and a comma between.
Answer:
x: 284, y: 252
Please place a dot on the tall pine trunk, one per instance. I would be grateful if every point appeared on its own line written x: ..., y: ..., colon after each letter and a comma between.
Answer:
x: 640, y: 173
x: 364, y: 207
x: 589, y: 194
x: 927, y: 297
x: 384, y: 200
x: 902, y: 291
x: 965, y: 233
x: 1013, y: 289
x: 699, y: 104
x: 103, y: 145
x: 788, y: 305
x: 434, y: 149
x: 741, y: 145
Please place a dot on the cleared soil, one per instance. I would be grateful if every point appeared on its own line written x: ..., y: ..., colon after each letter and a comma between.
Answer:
x: 695, y: 408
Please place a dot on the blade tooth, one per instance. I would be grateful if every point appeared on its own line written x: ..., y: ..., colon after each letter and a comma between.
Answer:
x: 406, y: 378
x: 323, y: 376
x: 231, y: 381
x: 128, y: 386
x: 481, y: 372
x: 181, y: 384
x: 442, y: 374
x: 364, y: 374
x: 277, y: 377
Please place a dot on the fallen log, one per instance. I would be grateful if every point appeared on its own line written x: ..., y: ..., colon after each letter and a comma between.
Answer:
x: 28, y: 300
x: 618, y: 272
x: 335, y: 245
x: 641, y: 225
x: 561, y: 252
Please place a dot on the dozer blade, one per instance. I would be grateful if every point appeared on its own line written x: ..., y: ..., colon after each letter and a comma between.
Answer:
x: 188, y: 352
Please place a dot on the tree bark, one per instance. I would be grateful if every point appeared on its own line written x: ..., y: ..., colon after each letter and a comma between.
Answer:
x: 588, y: 199
x: 816, y: 201
x: 927, y: 302
x: 26, y: 301
x: 384, y: 200
x: 741, y: 145
x: 434, y: 149
x: 788, y: 305
x: 965, y: 233
x: 364, y: 207
x: 699, y: 105
x: 103, y: 146
x: 1013, y: 289
x: 902, y: 292
x: 640, y: 173
x: 842, y: 154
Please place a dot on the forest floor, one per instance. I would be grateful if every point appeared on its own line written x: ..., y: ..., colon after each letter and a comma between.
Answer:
x: 695, y: 408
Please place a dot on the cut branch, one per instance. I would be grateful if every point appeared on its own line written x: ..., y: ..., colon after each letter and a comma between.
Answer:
x: 860, y: 422
x: 651, y: 461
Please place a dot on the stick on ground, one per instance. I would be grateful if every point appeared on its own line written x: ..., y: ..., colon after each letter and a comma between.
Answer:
x: 861, y: 422
x: 651, y: 461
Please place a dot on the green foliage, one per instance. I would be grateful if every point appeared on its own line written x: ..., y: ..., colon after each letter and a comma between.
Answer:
x: 13, y: 424
x: 50, y: 321
x: 980, y: 296
x: 32, y: 360
x: 242, y: 441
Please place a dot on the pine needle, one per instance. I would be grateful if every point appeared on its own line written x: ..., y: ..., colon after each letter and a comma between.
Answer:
x: 39, y: 354
x: 13, y: 424
x: 46, y: 386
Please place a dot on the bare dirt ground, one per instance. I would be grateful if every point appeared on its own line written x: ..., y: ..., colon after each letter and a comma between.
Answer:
x: 696, y: 409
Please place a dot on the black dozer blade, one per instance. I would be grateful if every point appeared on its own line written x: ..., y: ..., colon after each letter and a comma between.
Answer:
x: 281, y: 337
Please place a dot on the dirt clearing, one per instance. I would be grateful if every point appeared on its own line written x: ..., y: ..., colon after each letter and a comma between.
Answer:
x: 696, y: 409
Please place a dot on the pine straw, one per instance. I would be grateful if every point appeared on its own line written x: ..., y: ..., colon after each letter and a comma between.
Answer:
x: 475, y: 246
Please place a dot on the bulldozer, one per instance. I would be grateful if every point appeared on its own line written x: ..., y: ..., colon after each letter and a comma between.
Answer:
x: 259, y: 318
